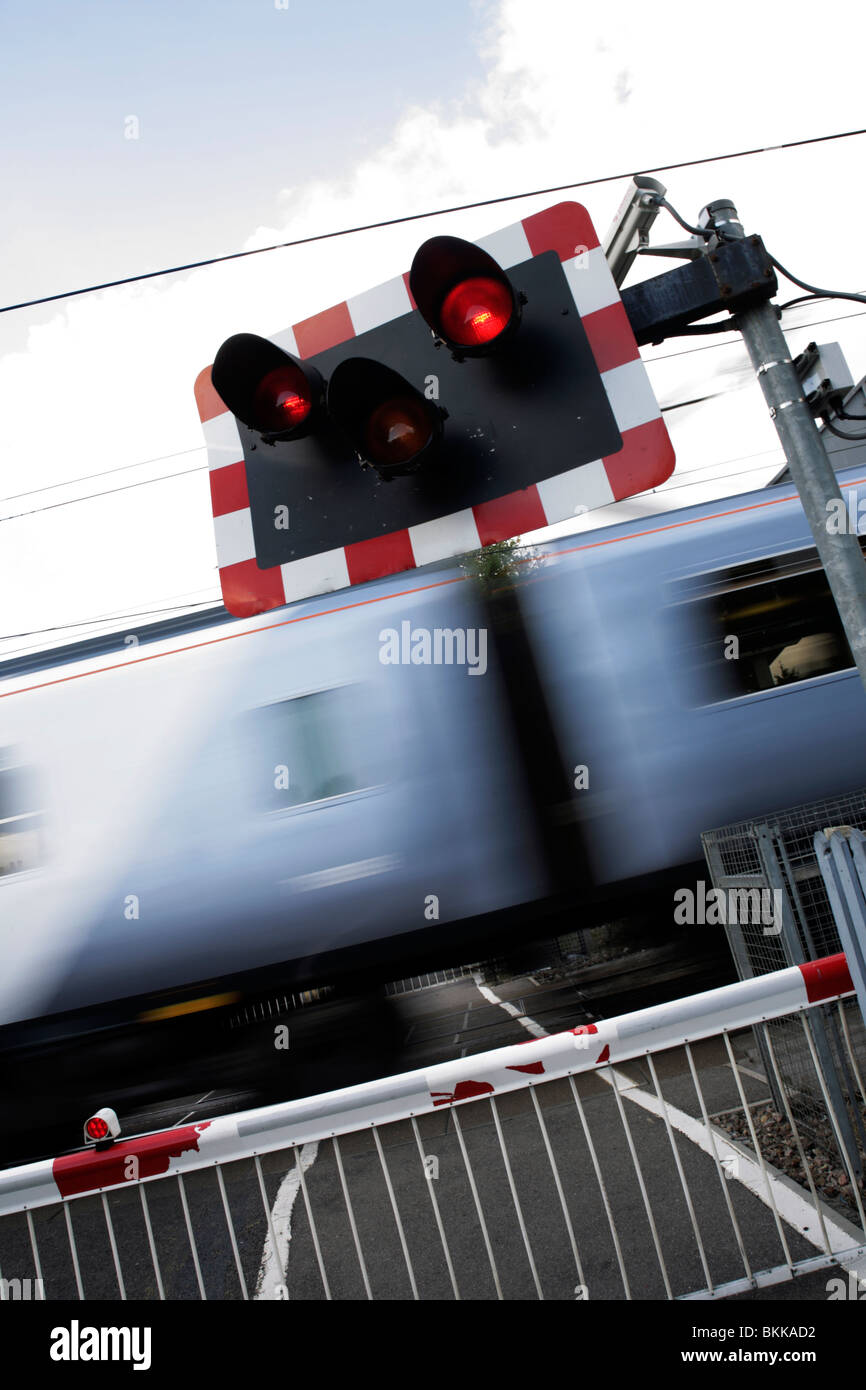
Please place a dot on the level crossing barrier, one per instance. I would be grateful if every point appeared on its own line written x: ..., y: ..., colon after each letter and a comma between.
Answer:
x: 623, y: 1159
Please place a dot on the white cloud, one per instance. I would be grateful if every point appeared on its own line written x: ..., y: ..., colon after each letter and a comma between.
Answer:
x: 569, y: 94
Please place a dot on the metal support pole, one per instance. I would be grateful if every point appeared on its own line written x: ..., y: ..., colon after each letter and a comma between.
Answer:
x: 810, y: 467
x: 841, y: 855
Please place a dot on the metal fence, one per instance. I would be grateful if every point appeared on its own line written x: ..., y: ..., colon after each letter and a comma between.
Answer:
x: 599, y: 1163
x: 776, y: 855
x: 557, y: 952
x: 432, y: 977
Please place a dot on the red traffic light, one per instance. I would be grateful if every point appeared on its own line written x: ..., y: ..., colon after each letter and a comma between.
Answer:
x: 266, y: 388
x: 476, y: 311
x: 464, y: 295
x: 96, y: 1128
x: 283, y: 398
x: 397, y: 431
x: 390, y: 424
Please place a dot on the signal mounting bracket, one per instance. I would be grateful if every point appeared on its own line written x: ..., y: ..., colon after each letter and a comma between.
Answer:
x: 735, y: 275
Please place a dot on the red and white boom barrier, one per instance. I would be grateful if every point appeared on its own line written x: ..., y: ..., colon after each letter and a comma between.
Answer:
x: 274, y: 1127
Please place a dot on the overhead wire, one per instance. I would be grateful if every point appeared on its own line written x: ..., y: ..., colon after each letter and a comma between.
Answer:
x: 103, y: 620
x: 813, y: 293
x: 201, y: 468
x: 662, y: 490
x: 88, y: 477
x: 106, y: 492
x: 708, y: 347
x: 437, y: 212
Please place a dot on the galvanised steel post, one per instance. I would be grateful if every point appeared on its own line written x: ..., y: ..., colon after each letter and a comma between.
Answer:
x: 810, y: 467
x: 841, y: 854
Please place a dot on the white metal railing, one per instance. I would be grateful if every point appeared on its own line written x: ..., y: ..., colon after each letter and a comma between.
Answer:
x: 588, y: 1164
x: 415, y: 983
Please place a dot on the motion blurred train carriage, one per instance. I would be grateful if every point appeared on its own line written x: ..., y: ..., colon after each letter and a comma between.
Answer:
x: 227, y: 813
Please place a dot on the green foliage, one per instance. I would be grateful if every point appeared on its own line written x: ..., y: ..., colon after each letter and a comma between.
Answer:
x: 495, y: 562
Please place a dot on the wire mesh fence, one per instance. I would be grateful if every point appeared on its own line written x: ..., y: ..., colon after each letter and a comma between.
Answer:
x: 776, y: 855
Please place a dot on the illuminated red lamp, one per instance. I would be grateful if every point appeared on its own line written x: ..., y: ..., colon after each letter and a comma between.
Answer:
x: 101, y: 1128
x: 464, y: 295
x: 476, y: 311
x: 283, y: 399
x: 267, y: 389
x: 389, y: 423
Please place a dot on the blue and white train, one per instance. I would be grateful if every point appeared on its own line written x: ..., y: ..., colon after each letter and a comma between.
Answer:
x: 191, y: 821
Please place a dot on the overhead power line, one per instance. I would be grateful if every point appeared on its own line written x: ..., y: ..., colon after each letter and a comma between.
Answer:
x: 659, y: 491
x: 198, y: 448
x: 107, y: 492
x: 203, y: 468
x: 795, y: 328
x: 88, y: 477
x: 436, y: 212
x: 112, y: 618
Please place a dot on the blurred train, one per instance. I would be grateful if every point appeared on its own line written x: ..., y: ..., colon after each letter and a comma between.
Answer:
x: 411, y: 774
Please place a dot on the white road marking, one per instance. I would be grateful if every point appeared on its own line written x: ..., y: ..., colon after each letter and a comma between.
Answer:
x: 271, y: 1281
x: 464, y: 1027
x: 793, y: 1208
x: 523, y: 1019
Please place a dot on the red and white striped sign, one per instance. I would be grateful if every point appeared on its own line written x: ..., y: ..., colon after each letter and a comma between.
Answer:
x: 645, y: 460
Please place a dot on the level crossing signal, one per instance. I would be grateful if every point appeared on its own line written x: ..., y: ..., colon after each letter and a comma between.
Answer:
x: 494, y: 389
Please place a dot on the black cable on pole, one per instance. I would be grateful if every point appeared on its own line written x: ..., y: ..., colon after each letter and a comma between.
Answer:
x: 707, y: 232
x: 840, y: 434
x: 814, y: 290
x: 437, y: 212
x: 802, y: 299
x: 704, y: 232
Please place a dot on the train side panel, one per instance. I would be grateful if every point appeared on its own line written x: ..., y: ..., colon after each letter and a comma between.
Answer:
x: 276, y: 796
x: 634, y: 664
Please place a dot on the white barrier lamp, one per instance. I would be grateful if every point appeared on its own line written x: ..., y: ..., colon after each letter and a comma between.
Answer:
x: 102, y: 1128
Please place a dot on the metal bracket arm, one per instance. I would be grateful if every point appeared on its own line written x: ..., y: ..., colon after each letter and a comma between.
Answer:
x: 736, y: 275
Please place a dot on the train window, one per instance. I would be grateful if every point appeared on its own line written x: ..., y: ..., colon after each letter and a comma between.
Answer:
x: 306, y: 749
x: 762, y: 625
x: 20, y: 820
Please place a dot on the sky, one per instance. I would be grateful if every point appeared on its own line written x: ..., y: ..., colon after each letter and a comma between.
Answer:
x: 139, y: 137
